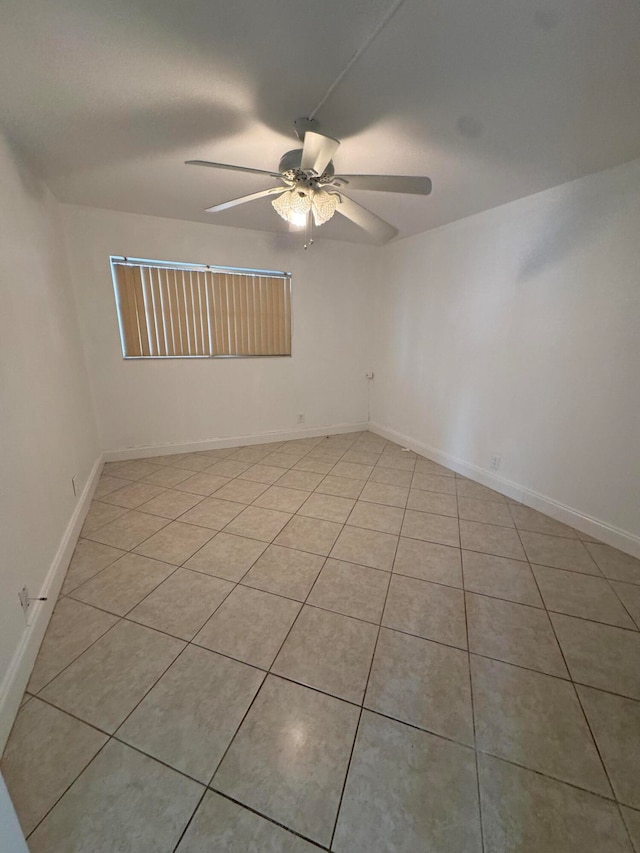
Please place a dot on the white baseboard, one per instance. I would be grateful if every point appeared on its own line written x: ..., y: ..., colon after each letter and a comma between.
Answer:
x: 17, y: 676
x: 230, y: 441
x: 614, y: 536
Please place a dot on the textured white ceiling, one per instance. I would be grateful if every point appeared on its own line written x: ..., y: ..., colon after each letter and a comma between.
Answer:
x: 493, y: 100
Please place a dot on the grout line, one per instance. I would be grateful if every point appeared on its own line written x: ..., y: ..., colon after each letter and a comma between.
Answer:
x: 366, y: 687
x: 473, y: 712
x: 303, y: 604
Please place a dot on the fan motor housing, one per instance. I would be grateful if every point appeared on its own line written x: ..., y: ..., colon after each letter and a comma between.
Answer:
x: 290, y: 162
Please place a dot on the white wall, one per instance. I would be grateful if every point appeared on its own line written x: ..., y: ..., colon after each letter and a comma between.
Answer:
x: 142, y: 403
x: 47, y: 425
x: 517, y: 332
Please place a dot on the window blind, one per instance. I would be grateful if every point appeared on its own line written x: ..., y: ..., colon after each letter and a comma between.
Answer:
x: 190, y: 311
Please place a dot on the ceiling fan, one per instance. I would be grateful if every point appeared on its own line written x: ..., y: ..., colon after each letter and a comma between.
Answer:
x: 311, y: 192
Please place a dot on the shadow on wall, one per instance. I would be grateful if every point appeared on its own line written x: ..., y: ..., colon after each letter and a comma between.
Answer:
x: 575, y: 221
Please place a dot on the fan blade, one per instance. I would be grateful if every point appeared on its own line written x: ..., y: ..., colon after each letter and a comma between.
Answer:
x: 225, y: 205
x: 233, y: 168
x: 365, y: 219
x: 317, y: 152
x: 385, y: 183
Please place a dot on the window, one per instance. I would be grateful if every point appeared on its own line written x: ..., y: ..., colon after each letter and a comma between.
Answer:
x: 168, y: 310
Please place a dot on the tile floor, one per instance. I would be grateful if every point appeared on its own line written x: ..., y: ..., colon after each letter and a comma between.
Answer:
x: 330, y: 644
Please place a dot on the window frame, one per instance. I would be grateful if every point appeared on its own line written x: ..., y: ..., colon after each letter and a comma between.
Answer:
x: 179, y: 265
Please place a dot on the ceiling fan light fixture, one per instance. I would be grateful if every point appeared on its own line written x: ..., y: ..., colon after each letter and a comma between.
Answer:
x: 323, y: 206
x: 295, y: 205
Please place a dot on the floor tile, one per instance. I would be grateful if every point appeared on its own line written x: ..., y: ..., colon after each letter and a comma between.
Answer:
x: 558, y: 552
x: 529, y: 519
x: 361, y: 457
x: 433, y: 483
x: 399, y: 461
x: 600, y: 655
x: 536, y: 721
x: 46, y: 751
x: 422, y: 683
x: 175, y: 543
x: 123, y: 584
x: 328, y: 507
x: 615, y: 564
x: 426, y: 466
x: 629, y: 595
x: 132, y: 495
x: 470, y: 489
x: 131, y: 469
x: 202, y: 484
x: 252, y: 453
x: 167, y: 477
x: 317, y: 466
x: 123, y: 801
x: 351, y: 590
x: 191, y: 715
x: 381, y: 493
x: 249, y: 626
x: 391, y: 476
x: 428, y: 610
x: 107, y: 484
x: 408, y: 792
x: 309, y: 534
x: 106, y: 682
x: 300, y: 480
x: 213, y: 513
x: 254, y: 522
x: 226, y: 556
x: 485, y: 512
x: 428, y: 561
x: 500, y: 577
x: 171, y: 503
x: 88, y: 559
x: 341, y: 487
x: 581, y: 595
x: 284, y: 571
x: 632, y: 820
x: 224, y: 826
x: 615, y: 723
x: 371, y: 516
x: 285, y: 500
x: 523, y: 811
x: 351, y: 470
x: 191, y: 461
x: 514, y: 633
x: 431, y: 528
x: 182, y: 604
x: 290, y: 757
x: 230, y: 467
x: 72, y: 629
x: 329, y: 652
x: 266, y: 474
x: 491, y: 539
x: 241, y: 491
x: 281, y: 460
x: 129, y: 530
x: 436, y: 502
x: 99, y: 515
x: 366, y: 547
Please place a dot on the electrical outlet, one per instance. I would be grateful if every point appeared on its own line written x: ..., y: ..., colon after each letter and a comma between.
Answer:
x: 300, y: 417
x: 74, y: 485
x: 496, y: 459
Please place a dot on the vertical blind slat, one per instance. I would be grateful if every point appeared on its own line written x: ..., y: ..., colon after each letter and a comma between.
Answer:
x: 181, y: 312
